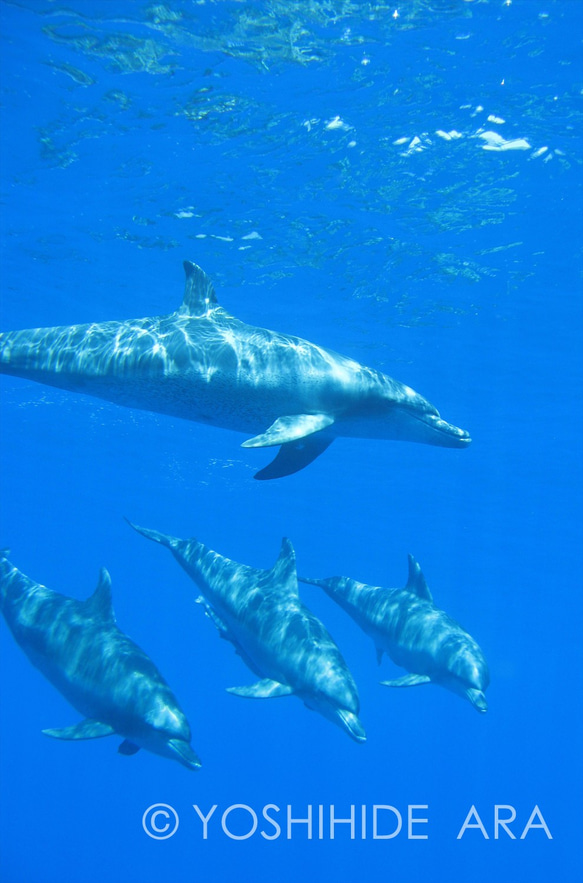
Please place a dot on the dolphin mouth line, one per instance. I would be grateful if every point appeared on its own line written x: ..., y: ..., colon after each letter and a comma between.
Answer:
x: 434, y: 421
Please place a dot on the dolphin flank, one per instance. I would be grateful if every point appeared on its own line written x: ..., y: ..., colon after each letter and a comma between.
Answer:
x: 280, y: 640
x: 405, y: 624
x: 97, y: 668
x: 202, y: 364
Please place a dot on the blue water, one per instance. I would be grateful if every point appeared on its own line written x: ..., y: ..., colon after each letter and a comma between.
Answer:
x: 401, y: 184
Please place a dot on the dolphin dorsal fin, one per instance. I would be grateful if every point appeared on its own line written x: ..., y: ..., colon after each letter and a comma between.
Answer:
x: 99, y: 604
x: 284, y: 570
x: 199, y: 294
x: 416, y: 583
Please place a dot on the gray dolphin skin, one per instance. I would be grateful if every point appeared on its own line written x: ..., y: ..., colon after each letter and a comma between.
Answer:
x: 280, y: 640
x: 405, y: 624
x: 202, y: 364
x: 97, y: 668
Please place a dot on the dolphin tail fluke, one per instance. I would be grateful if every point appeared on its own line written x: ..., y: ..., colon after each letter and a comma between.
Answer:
x: 162, y: 538
x: 294, y: 456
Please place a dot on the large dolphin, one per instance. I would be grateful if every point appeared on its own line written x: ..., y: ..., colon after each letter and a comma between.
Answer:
x: 405, y: 624
x: 97, y: 668
x: 260, y: 613
x: 202, y: 364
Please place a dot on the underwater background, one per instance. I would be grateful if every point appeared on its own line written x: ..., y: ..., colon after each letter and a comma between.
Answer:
x: 400, y: 183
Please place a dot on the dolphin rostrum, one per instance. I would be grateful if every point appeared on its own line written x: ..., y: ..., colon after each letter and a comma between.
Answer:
x: 405, y: 624
x: 97, y: 668
x: 202, y: 364
x: 260, y: 613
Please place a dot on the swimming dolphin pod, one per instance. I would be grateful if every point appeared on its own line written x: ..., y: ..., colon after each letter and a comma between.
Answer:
x: 405, y: 624
x: 96, y: 667
x: 200, y: 363
x: 260, y: 613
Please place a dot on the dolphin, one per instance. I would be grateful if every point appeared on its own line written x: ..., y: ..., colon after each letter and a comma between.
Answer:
x: 405, y: 624
x: 280, y: 640
x: 202, y: 364
x: 97, y: 668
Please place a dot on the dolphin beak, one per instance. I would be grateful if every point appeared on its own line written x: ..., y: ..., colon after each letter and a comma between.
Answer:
x: 184, y: 754
x: 436, y: 431
x: 477, y: 699
x: 351, y: 725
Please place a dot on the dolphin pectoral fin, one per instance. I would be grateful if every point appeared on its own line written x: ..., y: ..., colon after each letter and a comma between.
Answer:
x: 408, y: 681
x: 290, y: 429
x: 128, y: 748
x: 294, y: 456
x: 265, y: 689
x: 185, y: 754
x: 299, y: 440
x: 87, y: 729
x: 380, y: 652
x: 351, y: 723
